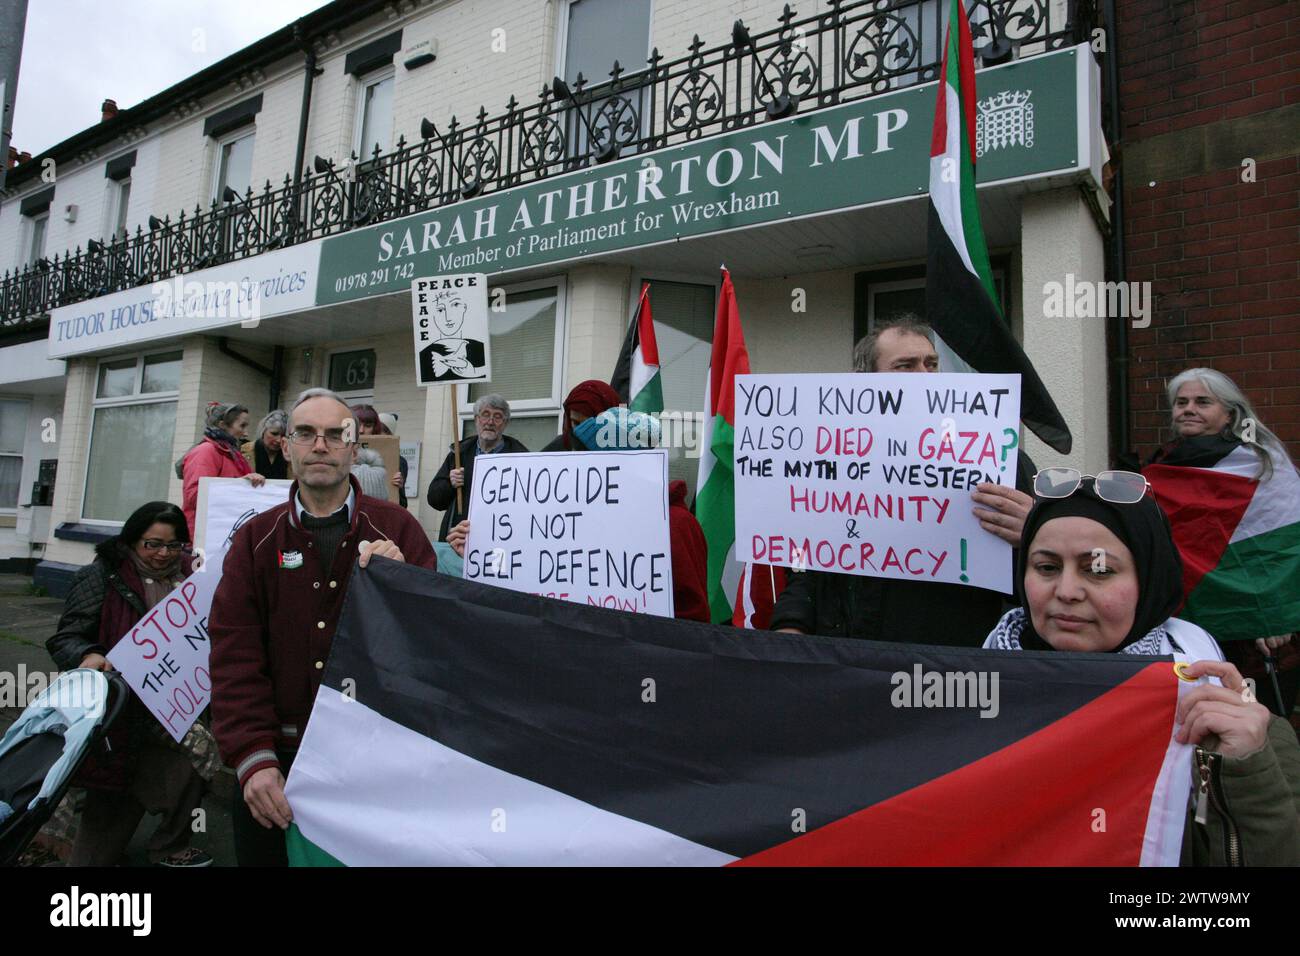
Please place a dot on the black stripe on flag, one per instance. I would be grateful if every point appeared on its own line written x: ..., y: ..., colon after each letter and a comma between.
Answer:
x: 745, y: 728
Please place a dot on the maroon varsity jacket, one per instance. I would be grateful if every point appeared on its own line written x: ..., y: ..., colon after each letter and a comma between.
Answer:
x: 273, y: 617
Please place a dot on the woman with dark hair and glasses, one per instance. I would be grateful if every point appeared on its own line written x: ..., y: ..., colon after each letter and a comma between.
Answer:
x: 143, y: 770
x: 1099, y: 573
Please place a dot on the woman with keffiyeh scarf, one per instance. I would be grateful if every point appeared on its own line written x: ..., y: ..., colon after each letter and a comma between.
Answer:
x: 218, y: 454
x: 1102, y: 577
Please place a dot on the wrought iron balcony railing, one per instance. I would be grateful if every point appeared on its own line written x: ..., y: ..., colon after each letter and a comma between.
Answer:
x: 852, y: 50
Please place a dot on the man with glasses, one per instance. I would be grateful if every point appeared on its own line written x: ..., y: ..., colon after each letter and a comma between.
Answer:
x: 890, y: 609
x: 491, y: 416
x: 277, y: 606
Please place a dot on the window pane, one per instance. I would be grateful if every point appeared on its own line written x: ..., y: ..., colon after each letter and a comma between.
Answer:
x: 130, y: 459
x: 116, y: 379
x: 38, y: 237
x: 236, y: 166
x: 11, y: 468
x: 377, y: 122
x: 13, y: 426
x: 896, y: 304
x: 123, y: 201
x: 162, y: 373
x: 523, y: 347
x: 602, y: 31
x: 684, y: 315
x: 535, y: 433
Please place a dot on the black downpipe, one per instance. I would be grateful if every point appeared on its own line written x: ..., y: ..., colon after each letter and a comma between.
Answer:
x: 1117, y: 269
x: 277, y: 373
x: 308, y: 79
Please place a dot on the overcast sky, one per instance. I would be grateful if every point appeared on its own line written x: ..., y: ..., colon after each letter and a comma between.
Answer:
x: 76, y: 53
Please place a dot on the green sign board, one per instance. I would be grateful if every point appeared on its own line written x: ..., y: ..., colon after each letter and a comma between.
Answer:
x: 871, y: 150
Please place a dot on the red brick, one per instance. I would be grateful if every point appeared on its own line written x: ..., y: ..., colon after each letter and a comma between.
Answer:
x: 1217, y: 314
x: 1231, y: 227
x: 1141, y: 273
x: 1265, y: 238
x: 1174, y: 237
x: 1211, y: 247
x: 1285, y: 396
x: 1167, y: 221
x: 1220, y: 177
x: 1236, y: 192
x: 1226, y: 210
x: 1146, y: 257
x: 1150, y: 97
x: 1199, y: 118
x: 1286, y: 289
x: 1241, y: 327
x: 1278, y: 81
x: 1224, y: 28
x: 1287, y: 356
x: 1278, y: 185
x: 1215, y: 60
x: 1284, y: 217
x: 1239, y: 293
x: 1277, y: 13
x: 1250, y: 105
x: 1227, y: 262
x: 1186, y: 267
x: 1278, y: 167
x: 1284, y: 253
x: 1228, y: 94
x: 1186, y: 300
x: 1273, y: 307
x: 1274, y: 273
x: 1202, y: 84
x: 1141, y: 240
x: 1277, y: 47
x: 1215, y: 280
x: 1182, y: 333
x: 1261, y: 205
x: 1289, y: 322
x: 1258, y: 378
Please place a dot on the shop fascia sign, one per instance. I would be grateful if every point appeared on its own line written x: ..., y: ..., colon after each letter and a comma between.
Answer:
x: 1037, y: 118
x: 240, y: 293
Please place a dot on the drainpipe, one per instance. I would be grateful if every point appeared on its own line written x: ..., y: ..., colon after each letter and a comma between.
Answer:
x: 1116, y: 251
x: 277, y: 373
x: 308, y: 76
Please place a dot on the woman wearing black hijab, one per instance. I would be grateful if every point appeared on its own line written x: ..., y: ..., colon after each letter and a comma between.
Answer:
x: 1103, y: 576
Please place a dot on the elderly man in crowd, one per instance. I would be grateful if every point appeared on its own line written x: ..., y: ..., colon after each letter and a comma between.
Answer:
x: 888, y: 609
x: 277, y: 606
x: 491, y: 418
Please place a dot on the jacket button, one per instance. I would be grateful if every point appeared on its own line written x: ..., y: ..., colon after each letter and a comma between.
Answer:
x: 320, y: 664
x: 320, y: 625
x: 315, y: 584
x: 334, y: 584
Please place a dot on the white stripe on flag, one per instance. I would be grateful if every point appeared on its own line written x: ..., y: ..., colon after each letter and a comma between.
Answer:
x: 371, y: 792
x: 1275, y: 503
x: 641, y: 373
x: 945, y: 192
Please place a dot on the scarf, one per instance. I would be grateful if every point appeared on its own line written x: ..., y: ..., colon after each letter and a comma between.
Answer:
x: 1010, y: 631
x: 1199, y: 451
x: 1143, y: 528
x: 157, y: 583
x: 218, y: 435
x: 589, y: 398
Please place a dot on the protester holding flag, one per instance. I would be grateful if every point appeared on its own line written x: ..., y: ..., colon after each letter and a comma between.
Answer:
x: 278, y: 603
x: 1100, y: 573
x: 1232, y: 496
x: 891, y: 609
x: 143, y: 770
x: 491, y: 419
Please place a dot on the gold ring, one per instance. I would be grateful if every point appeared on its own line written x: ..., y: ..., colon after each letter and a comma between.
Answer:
x: 1180, y: 668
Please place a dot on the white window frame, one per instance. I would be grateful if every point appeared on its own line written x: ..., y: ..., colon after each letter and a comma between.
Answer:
x: 19, y: 454
x: 114, y: 209
x: 222, y: 142
x: 355, y: 396
x: 135, y: 398
x: 32, y: 256
x: 359, y: 110
x: 531, y: 407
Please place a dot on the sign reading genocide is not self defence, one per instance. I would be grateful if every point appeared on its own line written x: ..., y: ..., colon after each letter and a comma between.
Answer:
x: 872, y: 474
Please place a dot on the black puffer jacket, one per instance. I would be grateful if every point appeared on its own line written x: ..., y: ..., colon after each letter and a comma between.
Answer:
x: 78, y: 632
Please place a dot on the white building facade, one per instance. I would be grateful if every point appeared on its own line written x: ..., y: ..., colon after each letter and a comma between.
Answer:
x: 792, y: 149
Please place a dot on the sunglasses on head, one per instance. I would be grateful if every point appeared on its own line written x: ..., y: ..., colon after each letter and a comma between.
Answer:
x: 1117, y: 487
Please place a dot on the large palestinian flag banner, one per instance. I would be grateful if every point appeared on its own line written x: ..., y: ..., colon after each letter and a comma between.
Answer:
x: 464, y: 724
x: 1239, y: 537
x: 961, y: 300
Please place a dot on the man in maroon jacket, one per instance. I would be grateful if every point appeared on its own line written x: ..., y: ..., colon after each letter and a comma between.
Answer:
x: 277, y: 606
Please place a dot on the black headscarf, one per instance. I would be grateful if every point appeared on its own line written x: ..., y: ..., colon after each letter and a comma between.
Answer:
x: 1142, y: 527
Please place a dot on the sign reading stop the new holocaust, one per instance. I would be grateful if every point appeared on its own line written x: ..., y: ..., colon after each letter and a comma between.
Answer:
x: 872, y: 474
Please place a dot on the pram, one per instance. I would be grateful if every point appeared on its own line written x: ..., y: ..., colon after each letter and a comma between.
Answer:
x: 49, y: 740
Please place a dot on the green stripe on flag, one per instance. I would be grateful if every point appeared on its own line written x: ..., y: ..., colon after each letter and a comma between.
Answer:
x: 715, y: 507
x: 1254, y: 591
x: 651, y: 397
x: 302, y: 852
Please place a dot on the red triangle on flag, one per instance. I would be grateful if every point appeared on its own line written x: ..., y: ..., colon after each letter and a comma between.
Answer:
x: 1204, y: 507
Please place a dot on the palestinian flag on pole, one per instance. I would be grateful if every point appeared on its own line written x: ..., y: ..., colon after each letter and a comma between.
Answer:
x: 636, y: 376
x: 1239, y: 537
x: 715, y: 495
x: 760, y: 586
x: 459, y: 723
x: 960, y: 298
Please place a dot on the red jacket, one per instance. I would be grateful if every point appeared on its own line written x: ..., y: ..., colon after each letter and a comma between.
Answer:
x: 690, y: 555
x: 208, y: 459
x: 273, y: 617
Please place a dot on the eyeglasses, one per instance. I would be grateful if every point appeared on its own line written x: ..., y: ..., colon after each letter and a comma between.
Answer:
x: 307, y: 436
x: 153, y: 544
x: 1117, y: 487
x: 495, y: 418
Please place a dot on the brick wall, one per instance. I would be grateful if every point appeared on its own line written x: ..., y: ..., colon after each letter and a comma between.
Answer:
x: 1204, y: 87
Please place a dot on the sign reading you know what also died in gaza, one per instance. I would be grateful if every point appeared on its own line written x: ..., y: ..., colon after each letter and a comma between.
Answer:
x: 590, y: 527
x: 449, y: 316
x: 872, y: 474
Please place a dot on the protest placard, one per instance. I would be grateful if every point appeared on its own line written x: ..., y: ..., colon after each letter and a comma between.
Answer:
x: 388, y: 448
x: 449, y: 319
x: 583, y: 526
x: 164, y: 658
x: 410, y: 450
x: 872, y: 474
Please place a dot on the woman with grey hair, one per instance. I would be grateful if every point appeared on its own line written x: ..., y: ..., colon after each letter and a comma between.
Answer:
x: 1230, y: 490
x: 491, y: 417
x: 270, y: 459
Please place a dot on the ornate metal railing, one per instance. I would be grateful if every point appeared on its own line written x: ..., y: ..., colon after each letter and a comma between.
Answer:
x: 852, y: 50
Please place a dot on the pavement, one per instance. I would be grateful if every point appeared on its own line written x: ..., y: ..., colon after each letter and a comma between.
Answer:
x: 26, y: 620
